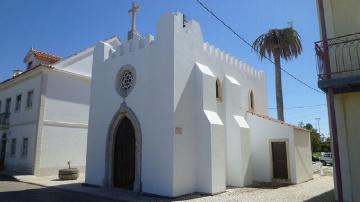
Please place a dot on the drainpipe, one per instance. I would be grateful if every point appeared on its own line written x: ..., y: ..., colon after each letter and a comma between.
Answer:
x: 330, y: 102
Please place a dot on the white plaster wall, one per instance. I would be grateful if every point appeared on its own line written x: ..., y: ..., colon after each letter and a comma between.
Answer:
x: 338, y: 24
x: 216, y: 134
x: 22, y: 87
x: 343, y: 147
x: 67, y: 99
x: 154, y: 85
x: 203, y: 157
x: 238, y: 165
x: 81, y: 63
x: 353, y: 128
x: 60, y: 145
x: 262, y: 132
x: 22, y: 122
x: 186, y: 144
x: 199, y: 153
x: 98, y: 119
x: 203, y: 146
x: 189, y: 50
x: 65, y: 117
x: 352, y: 113
x: 223, y: 64
x: 18, y: 162
x: 218, y: 158
x: 303, y: 155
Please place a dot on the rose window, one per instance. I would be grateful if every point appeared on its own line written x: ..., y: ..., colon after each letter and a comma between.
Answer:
x: 126, y: 80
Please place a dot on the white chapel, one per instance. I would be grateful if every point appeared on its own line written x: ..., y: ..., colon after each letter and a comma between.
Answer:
x: 172, y: 115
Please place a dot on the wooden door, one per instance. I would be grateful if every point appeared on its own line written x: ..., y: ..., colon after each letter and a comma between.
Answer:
x: 279, y: 156
x: 124, y: 155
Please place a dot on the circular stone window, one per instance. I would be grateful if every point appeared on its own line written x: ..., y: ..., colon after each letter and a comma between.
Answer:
x: 125, y: 80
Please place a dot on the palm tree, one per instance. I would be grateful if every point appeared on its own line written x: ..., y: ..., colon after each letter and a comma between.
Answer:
x: 278, y: 43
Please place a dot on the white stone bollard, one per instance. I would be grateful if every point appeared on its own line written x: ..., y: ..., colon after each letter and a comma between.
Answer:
x: 321, y: 171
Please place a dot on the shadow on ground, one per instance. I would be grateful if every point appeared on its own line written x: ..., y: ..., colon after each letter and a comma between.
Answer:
x: 268, y: 185
x: 48, y: 194
x: 7, y: 178
x: 326, y: 196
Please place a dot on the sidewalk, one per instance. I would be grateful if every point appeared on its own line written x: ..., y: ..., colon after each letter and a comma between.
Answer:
x: 45, y: 181
x: 77, y: 186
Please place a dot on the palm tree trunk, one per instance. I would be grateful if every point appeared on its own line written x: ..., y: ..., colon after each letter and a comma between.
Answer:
x: 278, y: 87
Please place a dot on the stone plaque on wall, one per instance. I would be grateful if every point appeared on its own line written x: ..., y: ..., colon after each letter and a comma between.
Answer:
x: 178, y: 130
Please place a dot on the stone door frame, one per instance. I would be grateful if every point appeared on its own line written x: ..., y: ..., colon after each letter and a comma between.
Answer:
x: 124, y: 111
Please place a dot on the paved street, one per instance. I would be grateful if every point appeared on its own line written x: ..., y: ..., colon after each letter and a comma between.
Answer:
x: 14, y: 191
x: 318, y: 189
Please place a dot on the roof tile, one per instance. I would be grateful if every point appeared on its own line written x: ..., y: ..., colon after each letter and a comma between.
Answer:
x: 46, y: 56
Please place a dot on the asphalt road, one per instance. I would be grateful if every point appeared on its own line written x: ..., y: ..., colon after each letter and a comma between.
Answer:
x: 15, y: 191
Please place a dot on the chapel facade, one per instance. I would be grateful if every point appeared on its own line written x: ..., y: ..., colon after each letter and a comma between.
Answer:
x: 172, y: 115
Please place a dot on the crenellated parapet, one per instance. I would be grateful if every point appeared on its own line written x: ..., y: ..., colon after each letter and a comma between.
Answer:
x: 231, y: 61
x: 133, y: 45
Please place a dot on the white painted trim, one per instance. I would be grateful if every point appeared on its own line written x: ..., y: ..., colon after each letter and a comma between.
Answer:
x: 82, y: 53
x: 25, y: 76
x: 39, y: 126
x: 38, y: 70
x: 74, y: 58
x: 64, y: 124
x: 67, y: 73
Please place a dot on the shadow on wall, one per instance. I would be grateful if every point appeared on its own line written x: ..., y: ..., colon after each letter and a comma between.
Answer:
x: 248, y: 173
x: 303, y: 165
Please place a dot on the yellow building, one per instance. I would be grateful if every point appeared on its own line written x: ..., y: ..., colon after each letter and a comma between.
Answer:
x: 338, y: 55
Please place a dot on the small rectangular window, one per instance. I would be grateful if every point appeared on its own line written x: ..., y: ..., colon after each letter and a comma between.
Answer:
x: 29, y: 100
x: 8, y: 105
x: 18, y: 103
x: 25, y: 147
x: 13, y: 147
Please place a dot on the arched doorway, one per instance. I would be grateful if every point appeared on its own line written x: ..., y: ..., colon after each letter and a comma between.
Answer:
x: 123, y: 118
x: 124, y: 155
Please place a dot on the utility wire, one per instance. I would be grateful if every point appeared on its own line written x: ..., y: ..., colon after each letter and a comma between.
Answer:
x: 252, y: 47
x: 300, y: 107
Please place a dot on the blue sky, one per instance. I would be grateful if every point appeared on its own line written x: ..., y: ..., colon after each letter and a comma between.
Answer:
x: 63, y: 27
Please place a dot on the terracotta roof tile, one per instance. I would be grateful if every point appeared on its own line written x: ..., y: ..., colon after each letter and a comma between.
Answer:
x: 275, y: 120
x: 46, y: 56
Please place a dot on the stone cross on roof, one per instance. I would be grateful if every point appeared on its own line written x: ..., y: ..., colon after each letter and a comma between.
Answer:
x: 134, y: 9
